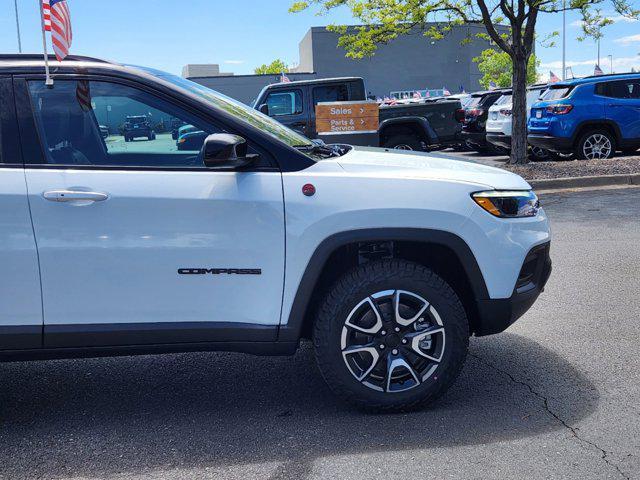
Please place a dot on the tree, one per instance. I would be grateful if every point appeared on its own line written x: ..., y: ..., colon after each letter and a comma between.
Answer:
x: 496, y: 67
x: 384, y: 20
x: 275, y: 67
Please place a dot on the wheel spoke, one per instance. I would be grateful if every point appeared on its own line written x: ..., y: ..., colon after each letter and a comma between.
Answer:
x: 355, y: 349
x: 416, y: 338
x: 371, y: 330
x: 396, y: 305
x: 396, y: 363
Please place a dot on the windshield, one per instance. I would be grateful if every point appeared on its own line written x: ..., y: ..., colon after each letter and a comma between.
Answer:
x: 556, y: 93
x: 235, y: 108
x: 473, y: 101
x: 504, y: 99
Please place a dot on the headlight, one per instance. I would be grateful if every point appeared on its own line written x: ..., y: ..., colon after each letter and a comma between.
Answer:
x: 508, y: 204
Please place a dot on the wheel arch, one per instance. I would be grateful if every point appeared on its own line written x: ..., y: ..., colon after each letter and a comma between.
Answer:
x: 418, y: 125
x: 447, y: 253
x: 605, y: 124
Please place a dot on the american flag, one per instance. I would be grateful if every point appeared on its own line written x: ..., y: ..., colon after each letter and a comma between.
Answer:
x: 57, y: 20
x: 83, y: 95
x: 284, y: 78
x: 598, y: 70
x: 553, y: 78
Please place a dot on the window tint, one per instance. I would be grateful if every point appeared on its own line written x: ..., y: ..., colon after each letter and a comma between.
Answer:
x: 285, y: 103
x: 556, y: 93
x: 331, y: 93
x: 621, y: 89
x: 107, y: 124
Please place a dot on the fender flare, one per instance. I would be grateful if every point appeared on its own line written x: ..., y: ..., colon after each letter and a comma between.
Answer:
x: 291, y: 331
x: 598, y: 123
x: 422, y: 123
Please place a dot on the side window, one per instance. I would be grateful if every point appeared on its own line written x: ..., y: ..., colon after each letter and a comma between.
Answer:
x: 108, y: 124
x: 287, y: 102
x: 621, y: 89
x: 331, y: 93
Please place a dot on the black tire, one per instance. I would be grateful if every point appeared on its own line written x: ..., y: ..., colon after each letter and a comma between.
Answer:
x: 537, y: 154
x: 588, y: 137
x: 405, y: 142
x: 383, y: 276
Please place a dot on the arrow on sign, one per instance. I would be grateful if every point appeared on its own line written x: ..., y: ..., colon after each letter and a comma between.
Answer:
x: 362, y: 121
x: 361, y: 110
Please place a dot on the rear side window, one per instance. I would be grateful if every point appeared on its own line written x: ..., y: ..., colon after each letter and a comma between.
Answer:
x: 331, y: 93
x: 9, y: 153
x: 620, y: 89
x: 556, y: 93
x: 287, y: 102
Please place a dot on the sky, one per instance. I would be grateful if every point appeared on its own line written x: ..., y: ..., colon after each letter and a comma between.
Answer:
x: 242, y: 34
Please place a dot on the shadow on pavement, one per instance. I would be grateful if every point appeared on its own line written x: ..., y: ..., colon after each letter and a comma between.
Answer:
x: 131, y: 415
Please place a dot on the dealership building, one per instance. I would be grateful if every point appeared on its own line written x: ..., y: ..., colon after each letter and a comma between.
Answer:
x: 410, y: 62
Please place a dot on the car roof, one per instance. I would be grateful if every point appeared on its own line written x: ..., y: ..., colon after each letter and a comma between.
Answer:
x: 595, y: 78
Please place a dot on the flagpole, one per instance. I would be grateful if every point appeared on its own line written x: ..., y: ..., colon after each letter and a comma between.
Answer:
x: 15, y: 2
x: 48, y: 79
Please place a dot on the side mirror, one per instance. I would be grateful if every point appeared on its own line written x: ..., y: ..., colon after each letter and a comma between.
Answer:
x: 223, y: 150
x: 264, y: 108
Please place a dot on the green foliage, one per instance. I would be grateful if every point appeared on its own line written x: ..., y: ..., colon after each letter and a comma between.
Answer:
x: 497, y: 67
x: 275, y: 67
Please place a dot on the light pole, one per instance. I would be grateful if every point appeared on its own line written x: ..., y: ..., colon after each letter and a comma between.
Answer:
x: 564, y: 39
x: 15, y: 4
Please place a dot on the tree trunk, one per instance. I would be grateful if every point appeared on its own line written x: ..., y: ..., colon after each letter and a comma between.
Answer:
x: 519, y: 111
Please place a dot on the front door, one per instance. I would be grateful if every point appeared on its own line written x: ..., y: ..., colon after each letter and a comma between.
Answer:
x: 138, y: 242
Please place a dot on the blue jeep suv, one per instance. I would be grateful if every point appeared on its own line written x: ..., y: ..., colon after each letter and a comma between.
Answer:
x: 591, y: 117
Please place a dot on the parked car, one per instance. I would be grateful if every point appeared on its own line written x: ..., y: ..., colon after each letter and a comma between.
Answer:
x: 389, y: 261
x: 414, y: 125
x: 136, y: 126
x: 175, y: 126
x: 500, y: 121
x: 474, y: 131
x: 191, y: 140
x: 591, y: 117
x: 104, y: 131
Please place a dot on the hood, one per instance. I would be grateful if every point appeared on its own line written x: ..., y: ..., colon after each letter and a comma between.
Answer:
x: 432, y: 166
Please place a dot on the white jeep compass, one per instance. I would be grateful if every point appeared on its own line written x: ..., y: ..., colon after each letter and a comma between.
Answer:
x: 246, y: 236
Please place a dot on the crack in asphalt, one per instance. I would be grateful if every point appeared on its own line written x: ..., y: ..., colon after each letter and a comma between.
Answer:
x: 545, y: 403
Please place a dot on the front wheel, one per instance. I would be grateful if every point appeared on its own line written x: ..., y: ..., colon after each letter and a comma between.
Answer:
x: 391, y: 335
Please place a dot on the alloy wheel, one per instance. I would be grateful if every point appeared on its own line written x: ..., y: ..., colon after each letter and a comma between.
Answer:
x: 597, y: 147
x: 403, y: 146
x: 392, y: 341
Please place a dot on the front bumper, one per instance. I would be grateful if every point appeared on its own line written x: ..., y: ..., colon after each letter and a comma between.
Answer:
x: 499, y: 139
x: 555, y: 144
x: 496, y: 315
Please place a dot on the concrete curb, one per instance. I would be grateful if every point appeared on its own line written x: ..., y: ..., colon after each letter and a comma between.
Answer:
x: 581, y: 182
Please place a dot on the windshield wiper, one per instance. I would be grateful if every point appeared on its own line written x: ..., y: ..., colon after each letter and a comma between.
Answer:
x: 320, y: 148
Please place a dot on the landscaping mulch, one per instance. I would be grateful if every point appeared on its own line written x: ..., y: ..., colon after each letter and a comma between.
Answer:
x: 576, y: 168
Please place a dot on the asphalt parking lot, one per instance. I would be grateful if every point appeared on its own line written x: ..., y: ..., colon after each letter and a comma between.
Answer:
x: 556, y: 396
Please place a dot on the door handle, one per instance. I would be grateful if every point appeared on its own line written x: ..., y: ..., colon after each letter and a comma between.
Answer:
x: 74, y: 196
